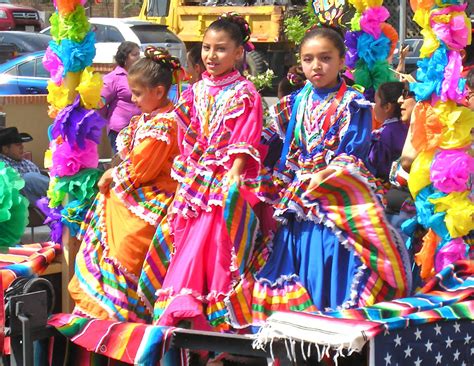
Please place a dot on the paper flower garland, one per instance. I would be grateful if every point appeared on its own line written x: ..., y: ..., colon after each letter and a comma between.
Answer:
x: 441, y: 176
x: 370, y: 43
x: 74, y: 94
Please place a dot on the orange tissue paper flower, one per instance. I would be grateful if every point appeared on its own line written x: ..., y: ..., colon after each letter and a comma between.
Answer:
x: 426, y: 128
x: 425, y: 258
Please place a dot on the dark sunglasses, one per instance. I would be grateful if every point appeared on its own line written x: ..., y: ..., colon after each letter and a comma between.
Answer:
x: 406, y: 94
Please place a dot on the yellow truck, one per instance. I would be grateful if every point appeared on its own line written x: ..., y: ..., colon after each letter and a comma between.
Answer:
x: 190, y: 20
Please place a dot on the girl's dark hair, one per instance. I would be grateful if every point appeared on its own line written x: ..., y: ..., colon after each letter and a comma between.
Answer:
x: 194, y: 55
x: 235, y: 25
x: 156, y: 68
x: 390, y: 93
x: 470, y: 79
x: 293, y: 81
x: 123, y: 51
x: 334, y: 34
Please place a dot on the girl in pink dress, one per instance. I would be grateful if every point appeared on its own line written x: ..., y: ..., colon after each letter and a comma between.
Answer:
x: 220, y: 125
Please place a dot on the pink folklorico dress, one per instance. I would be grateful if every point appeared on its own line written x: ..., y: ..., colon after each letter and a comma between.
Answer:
x: 218, y: 119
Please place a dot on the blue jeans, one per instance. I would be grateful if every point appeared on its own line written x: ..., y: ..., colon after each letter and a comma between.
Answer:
x: 112, y: 139
x: 36, y: 185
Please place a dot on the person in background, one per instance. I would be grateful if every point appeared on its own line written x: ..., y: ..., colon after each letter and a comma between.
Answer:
x: 387, y: 141
x: 293, y: 81
x: 116, y: 95
x: 12, y: 150
x: 407, y: 104
x: 195, y: 65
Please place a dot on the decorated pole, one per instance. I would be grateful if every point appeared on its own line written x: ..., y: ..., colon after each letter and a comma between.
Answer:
x: 74, y: 95
x: 370, y: 43
x: 440, y: 178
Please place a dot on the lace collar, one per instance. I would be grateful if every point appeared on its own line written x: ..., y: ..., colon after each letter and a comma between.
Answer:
x: 226, y: 79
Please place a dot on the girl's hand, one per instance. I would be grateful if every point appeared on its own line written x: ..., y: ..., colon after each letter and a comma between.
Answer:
x: 105, y: 181
x: 318, y: 177
x: 233, y: 176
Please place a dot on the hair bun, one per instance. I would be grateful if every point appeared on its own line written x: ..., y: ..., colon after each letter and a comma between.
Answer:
x: 162, y: 57
x: 240, y: 21
x: 296, y: 76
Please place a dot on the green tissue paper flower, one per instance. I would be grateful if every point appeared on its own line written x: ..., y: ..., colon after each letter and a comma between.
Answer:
x: 13, y: 207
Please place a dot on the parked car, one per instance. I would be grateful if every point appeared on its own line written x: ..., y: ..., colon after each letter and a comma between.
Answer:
x: 27, y: 75
x: 7, y: 52
x: 25, y: 42
x: 19, y: 17
x: 110, y: 32
x: 24, y: 75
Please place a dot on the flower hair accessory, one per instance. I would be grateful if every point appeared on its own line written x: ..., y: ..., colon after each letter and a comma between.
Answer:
x: 295, y: 78
x: 162, y: 57
x: 244, y: 27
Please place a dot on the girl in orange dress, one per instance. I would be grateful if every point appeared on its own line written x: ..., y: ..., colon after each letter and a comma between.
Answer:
x: 134, y: 197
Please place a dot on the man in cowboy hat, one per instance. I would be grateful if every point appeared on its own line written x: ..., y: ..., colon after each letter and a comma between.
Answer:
x: 11, y: 153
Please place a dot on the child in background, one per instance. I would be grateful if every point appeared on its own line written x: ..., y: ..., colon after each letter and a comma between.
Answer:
x: 220, y: 118
x: 293, y: 81
x: 322, y: 255
x: 134, y: 197
x: 195, y: 65
x: 387, y: 141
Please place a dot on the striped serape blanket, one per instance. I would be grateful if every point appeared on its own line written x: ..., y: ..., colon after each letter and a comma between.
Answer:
x: 449, y: 296
x: 22, y: 261
x: 25, y: 260
x: 133, y: 343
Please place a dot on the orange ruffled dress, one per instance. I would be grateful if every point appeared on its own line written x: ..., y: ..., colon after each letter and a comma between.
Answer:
x: 119, y: 227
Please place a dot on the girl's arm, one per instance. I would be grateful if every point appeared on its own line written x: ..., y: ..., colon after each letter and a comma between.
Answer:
x: 105, y: 181
x: 147, y: 159
x: 233, y: 175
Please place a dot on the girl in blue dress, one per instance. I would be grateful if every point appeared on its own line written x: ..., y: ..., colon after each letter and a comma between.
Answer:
x: 334, y: 247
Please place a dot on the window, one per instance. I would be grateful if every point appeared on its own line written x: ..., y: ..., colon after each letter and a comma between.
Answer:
x: 41, y: 72
x: 100, y: 32
x: 27, y: 68
x: 113, y: 35
x: 153, y: 33
x: 13, y: 71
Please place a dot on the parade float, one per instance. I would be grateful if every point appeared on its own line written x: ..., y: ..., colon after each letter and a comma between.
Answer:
x: 433, y: 325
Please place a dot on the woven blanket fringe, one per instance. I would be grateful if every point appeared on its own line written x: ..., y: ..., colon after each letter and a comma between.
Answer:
x: 266, y: 336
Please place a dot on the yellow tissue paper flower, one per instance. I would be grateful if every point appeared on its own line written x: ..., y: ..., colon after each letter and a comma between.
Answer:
x: 430, y: 43
x: 419, y: 176
x: 359, y: 5
x: 422, y: 18
x: 89, y: 88
x: 459, y: 210
x: 48, y: 159
x: 58, y: 95
x: 373, y: 3
x: 457, y: 124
